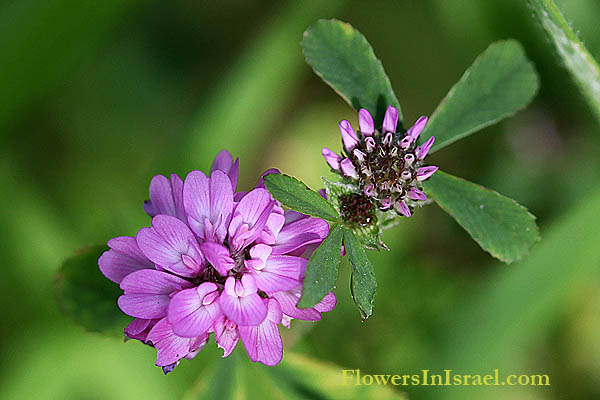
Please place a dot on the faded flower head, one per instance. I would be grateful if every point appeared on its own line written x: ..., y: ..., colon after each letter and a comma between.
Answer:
x: 386, y: 166
x: 214, y: 261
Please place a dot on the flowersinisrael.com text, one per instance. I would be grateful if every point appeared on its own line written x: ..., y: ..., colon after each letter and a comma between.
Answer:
x: 446, y: 377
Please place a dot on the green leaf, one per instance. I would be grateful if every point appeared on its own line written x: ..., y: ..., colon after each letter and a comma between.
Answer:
x: 500, y: 82
x: 87, y: 296
x: 578, y: 60
x: 370, y: 236
x: 363, y: 281
x: 297, y: 196
x: 342, y: 57
x: 322, y: 268
x: 298, y: 377
x: 498, y: 224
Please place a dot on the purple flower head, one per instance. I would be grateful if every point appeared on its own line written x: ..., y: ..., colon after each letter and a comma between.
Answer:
x: 214, y: 261
x: 386, y: 165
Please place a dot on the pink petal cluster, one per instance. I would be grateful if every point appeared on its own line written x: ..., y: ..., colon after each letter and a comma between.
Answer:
x: 386, y: 165
x: 214, y: 261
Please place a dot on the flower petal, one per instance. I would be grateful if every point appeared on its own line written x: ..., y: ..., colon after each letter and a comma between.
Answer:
x: 138, y: 328
x: 415, y: 130
x: 403, y: 209
x: 192, y: 311
x: 245, y: 308
x: 332, y: 158
x: 250, y: 217
x: 416, y: 194
x: 298, y: 243
x: 224, y: 162
x: 196, y: 200
x: 253, y: 205
x: 123, y: 258
x: 226, y: 335
x: 146, y: 306
x: 147, y: 293
x: 348, y: 168
x: 170, y: 347
x: 263, y: 342
x: 390, y: 121
x: 327, y: 304
x: 218, y: 256
x: 426, y: 172
x: 260, y: 252
x: 365, y: 121
x: 280, y: 273
x: 272, y: 227
x: 171, y: 244
x: 293, y: 216
x: 299, y: 233
x: 422, y: 150
x: 166, y: 197
x: 349, y: 137
x: 221, y: 203
x: 153, y: 282
x: 289, y: 299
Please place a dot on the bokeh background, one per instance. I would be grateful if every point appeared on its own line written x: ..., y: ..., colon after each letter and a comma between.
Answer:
x: 97, y: 97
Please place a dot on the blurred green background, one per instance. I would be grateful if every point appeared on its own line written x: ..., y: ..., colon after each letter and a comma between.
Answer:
x: 97, y: 97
